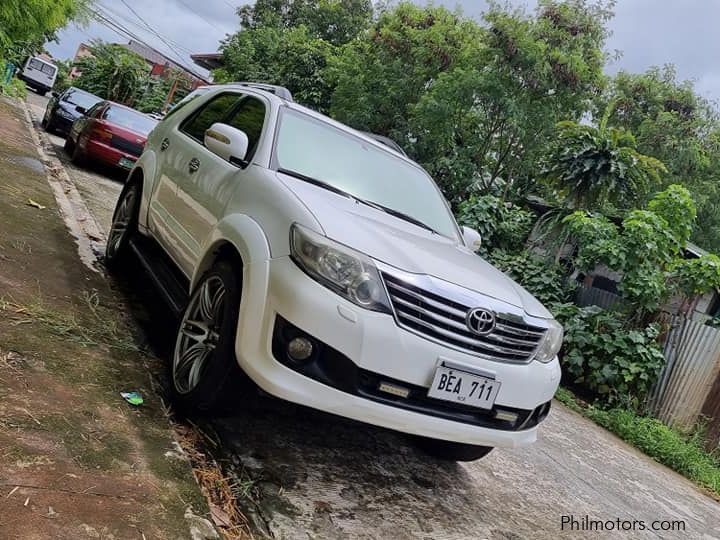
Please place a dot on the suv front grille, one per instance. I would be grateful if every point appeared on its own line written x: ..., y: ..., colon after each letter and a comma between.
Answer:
x: 444, y: 320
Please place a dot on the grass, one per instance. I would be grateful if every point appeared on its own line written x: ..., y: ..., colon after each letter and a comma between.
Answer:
x: 682, y: 452
x: 89, y: 326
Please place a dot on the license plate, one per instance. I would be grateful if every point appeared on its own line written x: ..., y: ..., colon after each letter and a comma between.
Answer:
x: 459, y: 386
x: 127, y: 163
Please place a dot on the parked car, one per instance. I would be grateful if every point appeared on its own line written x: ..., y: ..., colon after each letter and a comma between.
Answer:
x: 39, y: 74
x: 329, y: 270
x: 66, y: 107
x: 109, y: 133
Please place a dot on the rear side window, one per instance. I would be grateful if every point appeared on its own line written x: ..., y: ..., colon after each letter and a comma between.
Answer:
x: 249, y: 117
x: 215, y: 110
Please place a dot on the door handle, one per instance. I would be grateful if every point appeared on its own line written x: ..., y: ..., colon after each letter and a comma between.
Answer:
x: 165, y: 144
x: 194, y: 165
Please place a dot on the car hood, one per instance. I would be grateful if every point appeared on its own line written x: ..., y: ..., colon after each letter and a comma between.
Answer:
x: 409, y: 248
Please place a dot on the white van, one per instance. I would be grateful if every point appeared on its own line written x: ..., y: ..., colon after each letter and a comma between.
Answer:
x: 39, y: 74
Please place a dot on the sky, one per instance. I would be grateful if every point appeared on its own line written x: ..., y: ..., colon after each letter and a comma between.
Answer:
x: 646, y: 32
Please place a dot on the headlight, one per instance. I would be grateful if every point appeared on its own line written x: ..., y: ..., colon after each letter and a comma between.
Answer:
x: 65, y: 114
x: 339, y: 268
x: 551, y: 343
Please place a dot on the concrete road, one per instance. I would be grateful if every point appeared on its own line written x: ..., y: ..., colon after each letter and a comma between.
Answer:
x: 314, y: 476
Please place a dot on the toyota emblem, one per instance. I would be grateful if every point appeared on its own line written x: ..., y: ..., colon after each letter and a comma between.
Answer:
x: 480, y: 321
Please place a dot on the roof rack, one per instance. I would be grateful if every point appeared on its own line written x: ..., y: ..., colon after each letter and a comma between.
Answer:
x: 279, y: 91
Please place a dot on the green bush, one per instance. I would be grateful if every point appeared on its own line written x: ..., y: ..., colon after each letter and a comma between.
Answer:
x: 543, y: 278
x: 606, y: 357
x: 503, y: 225
x: 15, y: 88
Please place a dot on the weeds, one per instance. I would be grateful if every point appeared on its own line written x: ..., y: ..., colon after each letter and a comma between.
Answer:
x: 682, y: 452
x: 95, y: 326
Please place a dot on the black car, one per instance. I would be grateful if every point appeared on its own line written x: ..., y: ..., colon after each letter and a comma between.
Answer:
x: 63, y: 109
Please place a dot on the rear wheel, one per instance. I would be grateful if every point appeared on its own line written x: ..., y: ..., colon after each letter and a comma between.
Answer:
x: 204, y: 368
x: 452, y: 451
x: 124, y: 225
x: 78, y: 156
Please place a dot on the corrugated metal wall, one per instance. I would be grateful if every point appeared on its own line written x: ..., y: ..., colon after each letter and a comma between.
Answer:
x: 692, y: 351
x: 592, y: 296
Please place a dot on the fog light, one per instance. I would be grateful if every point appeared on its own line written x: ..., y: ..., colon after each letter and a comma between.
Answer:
x: 300, y: 349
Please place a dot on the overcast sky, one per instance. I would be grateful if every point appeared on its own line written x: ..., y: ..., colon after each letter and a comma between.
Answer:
x: 647, y: 32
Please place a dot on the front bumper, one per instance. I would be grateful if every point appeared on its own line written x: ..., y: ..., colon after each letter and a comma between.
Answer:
x: 276, y: 291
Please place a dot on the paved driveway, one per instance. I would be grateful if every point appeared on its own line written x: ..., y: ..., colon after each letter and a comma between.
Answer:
x: 315, y: 476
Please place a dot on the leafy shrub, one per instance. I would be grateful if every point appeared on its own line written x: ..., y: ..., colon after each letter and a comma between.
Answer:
x: 503, y: 225
x: 15, y: 88
x: 543, y: 278
x: 614, y: 362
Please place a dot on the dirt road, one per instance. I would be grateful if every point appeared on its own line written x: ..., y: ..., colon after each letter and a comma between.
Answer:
x: 308, y: 475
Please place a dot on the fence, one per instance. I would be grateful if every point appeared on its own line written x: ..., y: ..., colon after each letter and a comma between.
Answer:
x: 692, y: 353
x: 592, y: 296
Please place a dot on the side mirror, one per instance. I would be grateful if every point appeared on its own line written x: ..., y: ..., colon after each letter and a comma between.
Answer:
x: 472, y: 238
x: 81, y: 110
x: 55, y: 94
x: 229, y: 143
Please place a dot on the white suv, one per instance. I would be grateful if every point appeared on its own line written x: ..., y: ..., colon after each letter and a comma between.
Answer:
x: 329, y: 269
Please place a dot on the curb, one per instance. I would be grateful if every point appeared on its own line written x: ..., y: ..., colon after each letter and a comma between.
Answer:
x: 89, y: 237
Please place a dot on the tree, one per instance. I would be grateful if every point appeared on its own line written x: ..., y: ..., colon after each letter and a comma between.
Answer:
x: 475, y: 105
x: 158, y: 90
x: 592, y: 167
x: 113, y: 72
x: 289, y: 57
x: 647, y: 250
x: 25, y: 25
x: 675, y: 125
x: 63, y: 81
x: 379, y: 78
x: 334, y: 21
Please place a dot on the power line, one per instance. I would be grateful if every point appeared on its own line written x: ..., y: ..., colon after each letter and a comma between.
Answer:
x: 200, y: 15
x: 150, y: 28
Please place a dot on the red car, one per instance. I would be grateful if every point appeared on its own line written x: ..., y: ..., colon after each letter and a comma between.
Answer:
x: 109, y: 133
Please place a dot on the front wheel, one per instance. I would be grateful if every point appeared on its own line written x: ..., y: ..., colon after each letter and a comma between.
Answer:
x: 124, y: 225
x: 204, y: 367
x: 452, y: 451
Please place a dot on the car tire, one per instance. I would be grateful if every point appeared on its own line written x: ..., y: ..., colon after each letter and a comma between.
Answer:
x: 78, y: 156
x: 69, y: 145
x: 204, y: 371
x: 124, y: 226
x: 452, y: 451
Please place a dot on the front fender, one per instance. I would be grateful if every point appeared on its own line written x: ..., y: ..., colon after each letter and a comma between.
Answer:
x: 147, y: 167
x: 241, y: 232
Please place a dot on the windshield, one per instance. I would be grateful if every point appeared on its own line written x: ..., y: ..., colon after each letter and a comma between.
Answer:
x: 83, y: 99
x: 319, y: 150
x: 129, y: 119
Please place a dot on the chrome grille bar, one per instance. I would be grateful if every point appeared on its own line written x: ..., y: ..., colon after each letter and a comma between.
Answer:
x: 444, y: 320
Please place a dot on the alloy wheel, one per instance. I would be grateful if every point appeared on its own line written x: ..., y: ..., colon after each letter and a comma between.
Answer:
x: 121, y: 223
x: 199, y: 334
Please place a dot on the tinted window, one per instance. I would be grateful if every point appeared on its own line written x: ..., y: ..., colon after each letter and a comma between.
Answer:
x: 249, y: 117
x: 130, y: 119
x: 47, y: 69
x: 215, y: 110
x: 78, y: 97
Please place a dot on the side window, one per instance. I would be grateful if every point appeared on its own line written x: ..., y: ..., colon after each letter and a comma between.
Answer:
x: 249, y: 117
x: 213, y: 111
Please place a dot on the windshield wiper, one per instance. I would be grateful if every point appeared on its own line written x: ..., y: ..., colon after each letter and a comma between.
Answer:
x: 376, y: 206
x: 319, y: 183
